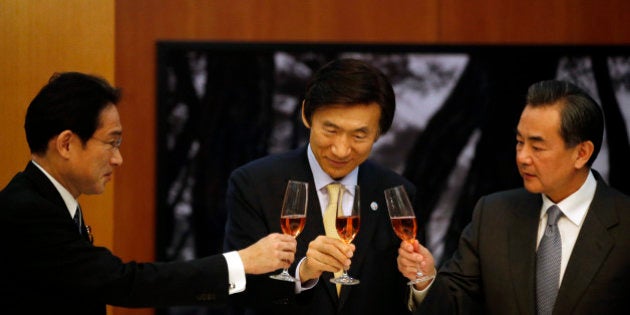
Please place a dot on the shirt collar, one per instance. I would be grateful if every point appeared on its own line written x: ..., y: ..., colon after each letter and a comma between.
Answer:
x: 576, y: 205
x: 322, y: 179
x: 70, y: 202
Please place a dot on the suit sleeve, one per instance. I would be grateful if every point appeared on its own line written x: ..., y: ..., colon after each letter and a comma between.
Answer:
x: 247, y: 222
x: 457, y: 287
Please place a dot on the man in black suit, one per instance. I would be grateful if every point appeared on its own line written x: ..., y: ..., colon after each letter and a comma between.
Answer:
x: 348, y: 104
x: 49, y: 265
x: 503, y: 264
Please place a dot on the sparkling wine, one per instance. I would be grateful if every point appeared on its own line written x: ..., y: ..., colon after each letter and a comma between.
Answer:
x: 347, y: 227
x: 405, y: 227
x: 292, y: 224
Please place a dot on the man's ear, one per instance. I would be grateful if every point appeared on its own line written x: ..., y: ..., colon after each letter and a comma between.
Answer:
x: 62, y: 143
x: 584, y: 153
x: 304, y: 121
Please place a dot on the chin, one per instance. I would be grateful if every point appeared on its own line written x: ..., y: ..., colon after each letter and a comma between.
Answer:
x: 534, y: 189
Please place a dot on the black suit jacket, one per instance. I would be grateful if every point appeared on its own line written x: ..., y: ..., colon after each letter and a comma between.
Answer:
x: 493, y: 270
x: 254, y: 201
x: 48, y: 267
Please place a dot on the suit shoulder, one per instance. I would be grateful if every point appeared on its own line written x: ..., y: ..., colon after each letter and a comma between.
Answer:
x: 514, y: 197
x: 270, y: 164
x: 385, y: 176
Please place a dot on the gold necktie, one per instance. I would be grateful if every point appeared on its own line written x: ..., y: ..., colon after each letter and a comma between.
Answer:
x: 330, y: 216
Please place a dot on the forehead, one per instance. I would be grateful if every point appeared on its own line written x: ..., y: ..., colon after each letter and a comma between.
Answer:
x: 540, y: 123
x: 366, y: 114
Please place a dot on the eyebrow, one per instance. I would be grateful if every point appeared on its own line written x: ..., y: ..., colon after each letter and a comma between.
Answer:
x: 531, y: 138
x: 360, y: 129
x: 115, y: 133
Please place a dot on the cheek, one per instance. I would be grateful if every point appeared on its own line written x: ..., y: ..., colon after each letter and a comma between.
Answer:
x: 363, y: 150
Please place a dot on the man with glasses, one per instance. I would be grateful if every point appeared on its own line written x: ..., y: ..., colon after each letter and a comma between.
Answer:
x: 49, y: 265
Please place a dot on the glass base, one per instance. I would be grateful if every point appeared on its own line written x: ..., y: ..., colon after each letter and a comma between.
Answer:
x: 420, y: 277
x: 284, y: 276
x: 345, y: 280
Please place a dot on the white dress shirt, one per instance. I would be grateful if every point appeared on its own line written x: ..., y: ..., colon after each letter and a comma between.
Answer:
x: 574, y: 209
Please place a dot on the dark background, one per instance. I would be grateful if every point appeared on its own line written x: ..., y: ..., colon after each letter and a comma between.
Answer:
x: 221, y: 105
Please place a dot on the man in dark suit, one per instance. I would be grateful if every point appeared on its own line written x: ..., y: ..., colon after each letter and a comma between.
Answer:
x: 348, y: 104
x: 559, y: 246
x: 49, y: 265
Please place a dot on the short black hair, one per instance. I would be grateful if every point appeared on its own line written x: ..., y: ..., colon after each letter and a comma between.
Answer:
x: 582, y: 119
x: 350, y: 82
x: 69, y: 101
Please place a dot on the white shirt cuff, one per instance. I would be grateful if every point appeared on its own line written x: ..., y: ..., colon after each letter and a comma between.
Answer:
x: 236, y: 272
x: 299, y: 286
x: 417, y: 296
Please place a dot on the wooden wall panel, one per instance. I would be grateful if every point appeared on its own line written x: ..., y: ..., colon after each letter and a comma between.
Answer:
x: 140, y: 23
x: 534, y: 22
x: 37, y: 38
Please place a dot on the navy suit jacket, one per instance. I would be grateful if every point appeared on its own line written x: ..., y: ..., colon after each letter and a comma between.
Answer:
x: 493, y: 270
x: 254, y: 200
x: 48, y: 267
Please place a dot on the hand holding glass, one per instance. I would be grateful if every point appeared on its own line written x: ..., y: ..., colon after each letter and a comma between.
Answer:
x: 347, y: 224
x: 403, y: 220
x: 293, y: 216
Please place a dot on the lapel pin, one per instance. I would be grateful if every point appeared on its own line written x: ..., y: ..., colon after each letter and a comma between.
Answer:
x: 374, y: 206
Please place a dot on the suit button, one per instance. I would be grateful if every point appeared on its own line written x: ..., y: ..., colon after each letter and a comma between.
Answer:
x: 282, y: 301
x: 206, y: 297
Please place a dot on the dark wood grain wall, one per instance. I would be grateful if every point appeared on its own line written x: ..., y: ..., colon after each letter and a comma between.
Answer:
x: 140, y: 23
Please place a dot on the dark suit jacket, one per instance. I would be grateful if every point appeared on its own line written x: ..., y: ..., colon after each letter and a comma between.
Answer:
x: 254, y: 201
x: 493, y: 270
x: 47, y: 267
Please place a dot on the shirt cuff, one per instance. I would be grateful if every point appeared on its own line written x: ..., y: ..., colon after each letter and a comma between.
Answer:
x: 236, y: 272
x: 299, y: 286
x: 417, y: 296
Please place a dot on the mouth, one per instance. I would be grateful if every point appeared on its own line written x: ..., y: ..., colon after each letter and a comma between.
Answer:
x: 337, y: 164
x: 526, y: 175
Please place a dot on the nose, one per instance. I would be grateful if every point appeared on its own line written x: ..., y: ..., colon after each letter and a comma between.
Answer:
x: 522, y: 155
x: 341, y: 146
x: 117, y: 158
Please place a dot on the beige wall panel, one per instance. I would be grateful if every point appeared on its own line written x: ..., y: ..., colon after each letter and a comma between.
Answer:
x: 38, y: 38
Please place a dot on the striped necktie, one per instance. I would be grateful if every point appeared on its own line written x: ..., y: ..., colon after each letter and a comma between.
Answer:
x: 548, y: 259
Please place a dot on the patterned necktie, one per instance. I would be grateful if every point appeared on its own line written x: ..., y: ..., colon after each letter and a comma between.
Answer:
x: 548, y: 261
x: 330, y: 217
x: 78, y: 218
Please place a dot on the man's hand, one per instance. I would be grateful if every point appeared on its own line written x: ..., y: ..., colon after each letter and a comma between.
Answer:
x: 412, y: 256
x: 325, y: 254
x: 272, y: 252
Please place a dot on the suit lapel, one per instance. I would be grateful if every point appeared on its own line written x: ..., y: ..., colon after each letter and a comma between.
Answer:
x: 44, y: 186
x: 522, y: 253
x: 590, y: 251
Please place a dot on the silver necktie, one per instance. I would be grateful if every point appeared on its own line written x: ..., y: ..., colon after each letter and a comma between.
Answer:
x: 548, y: 261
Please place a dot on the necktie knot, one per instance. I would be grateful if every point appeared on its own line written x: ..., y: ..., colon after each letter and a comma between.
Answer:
x: 553, y: 215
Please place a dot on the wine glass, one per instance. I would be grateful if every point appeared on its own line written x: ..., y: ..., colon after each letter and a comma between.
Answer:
x: 293, y: 217
x: 403, y: 220
x: 347, y: 224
